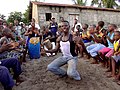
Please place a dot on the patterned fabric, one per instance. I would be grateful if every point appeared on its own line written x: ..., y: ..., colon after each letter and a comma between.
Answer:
x: 11, y: 54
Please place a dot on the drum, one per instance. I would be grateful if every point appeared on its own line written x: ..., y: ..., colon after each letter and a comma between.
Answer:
x: 48, y: 44
x: 34, y: 48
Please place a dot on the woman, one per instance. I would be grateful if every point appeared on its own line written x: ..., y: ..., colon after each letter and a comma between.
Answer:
x: 33, y: 41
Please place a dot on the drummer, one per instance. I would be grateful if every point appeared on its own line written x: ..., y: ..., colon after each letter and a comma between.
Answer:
x: 48, y: 41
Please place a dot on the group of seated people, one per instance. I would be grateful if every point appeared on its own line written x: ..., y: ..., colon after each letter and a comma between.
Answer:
x: 9, y: 60
x: 102, y: 45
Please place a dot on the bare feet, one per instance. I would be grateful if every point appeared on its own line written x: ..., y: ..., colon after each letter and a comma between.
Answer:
x: 118, y: 82
x: 94, y: 62
x: 111, y: 75
x: 19, y: 80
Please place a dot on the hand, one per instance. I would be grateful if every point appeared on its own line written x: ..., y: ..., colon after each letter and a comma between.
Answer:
x: 43, y: 51
x: 14, y: 45
x: 107, y: 36
x: 116, y: 53
x: 30, y: 32
x: 5, y: 47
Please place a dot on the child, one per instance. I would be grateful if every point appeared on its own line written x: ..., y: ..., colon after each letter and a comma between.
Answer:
x: 116, y: 55
x: 108, y: 51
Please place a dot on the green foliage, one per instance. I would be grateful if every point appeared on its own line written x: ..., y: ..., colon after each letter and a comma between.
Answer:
x: 105, y: 3
x: 80, y: 2
x: 13, y: 16
x: 2, y: 16
x: 19, y: 16
x: 25, y: 18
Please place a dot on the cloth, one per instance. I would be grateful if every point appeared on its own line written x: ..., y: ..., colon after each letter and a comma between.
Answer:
x: 6, y: 78
x: 116, y: 58
x: 110, y: 45
x: 54, y: 67
x: 94, y: 48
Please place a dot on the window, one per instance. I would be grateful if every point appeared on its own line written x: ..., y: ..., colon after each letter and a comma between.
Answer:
x: 48, y: 16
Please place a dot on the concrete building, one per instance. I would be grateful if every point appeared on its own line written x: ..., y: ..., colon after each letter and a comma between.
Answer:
x: 42, y: 12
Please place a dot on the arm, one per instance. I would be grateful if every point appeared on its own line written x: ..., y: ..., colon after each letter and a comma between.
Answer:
x: 5, y: 47
x: 28, y: 33
x: 97, y: 39
x: 111, y: 40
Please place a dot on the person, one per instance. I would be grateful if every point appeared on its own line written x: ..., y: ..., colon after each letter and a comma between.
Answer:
x: 53, y: 28
x: 5, y: 65
x: 67, y: 44
x: 76, y: 23
x: 33, y: 42
x: 116, y: 54
x: 48, y: 41
x: 97, y: 38
x: 107, y: 52
x: 36, y: 25
x: 17, y: 28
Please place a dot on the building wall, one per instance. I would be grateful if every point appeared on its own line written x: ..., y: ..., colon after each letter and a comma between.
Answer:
x: 83, y: 15
x: 35, y: 13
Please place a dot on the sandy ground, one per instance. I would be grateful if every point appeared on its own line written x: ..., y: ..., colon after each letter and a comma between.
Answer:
x: 37, y: 78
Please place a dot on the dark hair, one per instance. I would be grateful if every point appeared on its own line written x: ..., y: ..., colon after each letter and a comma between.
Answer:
x: 94, y: 26
x: 101, y: 23
x: 65, y: 21
x: 115, y: 26
x: 5, y: 31
x: 86, y: 25
x: 117, y: 32
x: 103, y: 30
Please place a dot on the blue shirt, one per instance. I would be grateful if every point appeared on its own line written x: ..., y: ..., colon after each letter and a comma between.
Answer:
x: 110, y: 45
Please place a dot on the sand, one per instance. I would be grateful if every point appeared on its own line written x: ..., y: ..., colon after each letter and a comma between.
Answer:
x: 38, y: 78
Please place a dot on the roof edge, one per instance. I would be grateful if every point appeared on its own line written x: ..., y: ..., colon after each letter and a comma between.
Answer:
x: 74, y: 6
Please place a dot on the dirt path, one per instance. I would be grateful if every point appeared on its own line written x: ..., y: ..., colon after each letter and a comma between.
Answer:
x: 37, y: 78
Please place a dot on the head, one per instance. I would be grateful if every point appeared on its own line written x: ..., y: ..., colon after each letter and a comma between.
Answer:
x: 104, y: 31
x: 78, y: 27
x: 92, y: 29
x: 65, y: 27
x: 7, y: 32
x: 53, y: 19
x: 10, y: 24
x: 46, y: 29
x: 4, y: 24
x: 33, y: 24
x: 117, y: 35
x: 75, y: 21
x: 33, y: 20
x: 61, y: 19
x: 100, y: 25
x: 85, y: 26
x: 16, y: 22
x: 111, y: 27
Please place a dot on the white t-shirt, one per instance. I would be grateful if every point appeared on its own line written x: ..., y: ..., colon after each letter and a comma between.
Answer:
x: 77, y: 25
x: 36, y: 26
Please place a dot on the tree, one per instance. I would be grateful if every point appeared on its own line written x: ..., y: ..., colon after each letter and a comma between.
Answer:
x: 25, y: 18
x: 13, y: 16
x: 2, y: 16
x: 80, y: 2
x: 105, y: 3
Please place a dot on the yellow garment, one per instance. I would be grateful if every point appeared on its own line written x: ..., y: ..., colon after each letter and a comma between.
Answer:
x: 87, y: 34
x: 116, y: 45
x: 99, y: 35
x: 34, y: 40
